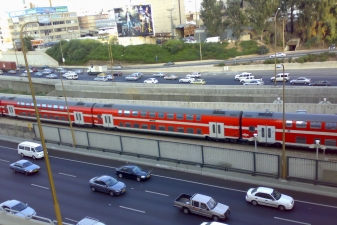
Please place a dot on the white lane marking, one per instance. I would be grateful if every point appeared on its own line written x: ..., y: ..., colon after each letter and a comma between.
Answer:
x: 14, y: 149
x: 156, y: 193
x: 292, y: 221
x: 4, y: 160
x: 71, y: 160
x: 132, y: 209
x: 312, y: 203
x: 67, y: 175
x: 39, y: 186
x: 71, y: 220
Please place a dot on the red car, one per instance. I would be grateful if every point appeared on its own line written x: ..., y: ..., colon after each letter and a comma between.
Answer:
x: 34, y: 69
x: 117, y: 73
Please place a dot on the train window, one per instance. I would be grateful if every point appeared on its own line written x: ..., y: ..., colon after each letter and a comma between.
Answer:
x: 99, y: 117
x: 33, y: 115
x: 330, y: 142
x: 65, y: 107
x: 180, y: 129
x: 189, y: 117
x: 289, y: 123
x: 56, y: 117
x: 161, y: 127
x: 32, y: 104
x: 45, y: 116
x: 152, y: 114
x: 44, y: 106
x: 126, y: 113
x: 198, y: 131
x: 190, y: 130
x: 28, y: 104
x: 29, y: 114
x: 144, y: 126
x: 143, y: 114
x: 161, y: 115
x: 22, y: 103
x: 315, y: 125
x: 121, y: 124
x: 251, y: 129
x: 170, y: 116
x: 301, y: 124
x: 127, y: 124
x: 55, y: 106
x: 153, y: 127
x: 18, y: 103
x: 301, y: 140
x: 317, y: 139
x: 40, y: 115
x: 38, y: 105
x: 50, y: 117
x: 134, y: 113
x: 262, y: 132
x: 120, y: 112
x: 198, y: 117
x: 136, y: 125
x: 61, y: 107
x: 24, y: 114
x: 170, y: 128
x: 331, y: 126
x: 62, y: 118
x: 49, y: 106
x: 179, y: 116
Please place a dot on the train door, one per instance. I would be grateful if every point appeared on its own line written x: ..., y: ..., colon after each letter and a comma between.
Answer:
x: 266, y: 134
x: 216, y: 130
x: 78, y: 117
x: 11, y: 110
x: 107, y: 120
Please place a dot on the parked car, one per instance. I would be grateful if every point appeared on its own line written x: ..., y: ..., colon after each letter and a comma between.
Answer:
x: 151, y: 81
x: 269, y: 197
x: 301, y: 80
x: 132, y: 77
x: 320, y: 83
x: 107, y: 184
x: 117, y: 73
x: 159, y: 74
x: 169, y: 64
x: 198, y: 81
x: 51, y: 76
x: 18, y: 208
x: 24, y: 166
x: 171, y: 77
x: 38, y: 74
x: 132, y: 172
x: 280, y: 77
x: 194, y: 75
x: 11, y: 72
x: 23, y: 75
x: 254, y: 82
x: 278, y: 55
x: 105, y: 78
x: 186, y: 80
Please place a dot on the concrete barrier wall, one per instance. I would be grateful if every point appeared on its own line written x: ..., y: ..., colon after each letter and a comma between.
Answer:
x: 8, y: 219
x: 35, y: 58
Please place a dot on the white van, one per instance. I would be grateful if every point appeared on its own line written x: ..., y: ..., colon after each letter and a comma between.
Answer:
x: 72, y: 77
x: 213, y: 39
x: 30, y: 149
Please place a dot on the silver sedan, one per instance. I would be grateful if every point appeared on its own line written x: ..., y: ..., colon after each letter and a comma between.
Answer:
x: 159, y: 74
x: 301, y: 80
x: 171, y: 77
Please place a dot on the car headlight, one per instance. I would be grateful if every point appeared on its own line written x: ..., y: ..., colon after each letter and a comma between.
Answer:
x: 30, y: 171
x: 118, y: 190
x: 143, y: 177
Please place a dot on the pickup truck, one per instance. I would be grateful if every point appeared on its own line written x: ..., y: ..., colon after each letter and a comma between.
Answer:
x: 202, y: 205
x: 89, y: 221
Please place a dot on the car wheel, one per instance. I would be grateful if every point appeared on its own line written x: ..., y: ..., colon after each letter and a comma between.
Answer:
x: 180, y: 81
x: 33, y: 157
x: 215, y: 218
x: 254, y: 202
x: 22, y: 155
x: 120, y: 175
x: 93, y: 189
x: 111, y: 193
x: 291, y: 82
x: 186, y: 210
x: 281, y: 207
x: 138, y: 179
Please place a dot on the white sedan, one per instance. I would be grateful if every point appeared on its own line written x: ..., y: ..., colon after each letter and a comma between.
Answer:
x: 269, y: 197
x: 18, y: 208
x: 186, y: 80
x: 151, y: 81
x: 278, y: 55
x: 159, y: 74
x: 254, y: 82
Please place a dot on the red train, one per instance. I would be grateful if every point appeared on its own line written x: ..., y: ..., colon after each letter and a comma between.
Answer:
x: 300, y: 130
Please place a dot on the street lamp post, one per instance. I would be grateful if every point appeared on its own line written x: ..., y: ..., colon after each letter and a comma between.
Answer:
x: 275, y: 45
x: 255, y: 137
x: 317, y: 146
x: 43, y: 143
x: 284, y: 168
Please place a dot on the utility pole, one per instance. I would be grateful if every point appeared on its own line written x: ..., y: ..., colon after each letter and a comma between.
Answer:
x: 172, y: 30
x: 50, y: 3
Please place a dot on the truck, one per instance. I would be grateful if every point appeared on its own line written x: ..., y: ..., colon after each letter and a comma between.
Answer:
x: 6, y: 66
x: 202, y: 205
x: 95, y: 70
x: 89, y: 221
x: 213, y: 39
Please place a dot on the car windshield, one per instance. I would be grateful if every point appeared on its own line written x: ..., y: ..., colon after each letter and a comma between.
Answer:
x: 276, y: 195
x: 211, y: 203
x: 19, y: 207
x: 254, y: 190
x: 38, y: 149
x: 111, y: 182
x: 136, y: 169
x: 26, y: 164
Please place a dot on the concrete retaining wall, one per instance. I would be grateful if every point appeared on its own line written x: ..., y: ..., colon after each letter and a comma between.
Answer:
x: 35, y: 58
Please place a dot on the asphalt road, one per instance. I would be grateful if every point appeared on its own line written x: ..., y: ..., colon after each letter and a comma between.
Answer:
x: 149, y: 202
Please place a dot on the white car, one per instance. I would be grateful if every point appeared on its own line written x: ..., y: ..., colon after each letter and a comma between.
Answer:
x: 278, y: 55
x: 18, y: 208
x: 186, y: 80
x: 242, y: 75
x: 151, y: 81
x: 254, y: 82
x: 213, y: 223
x: 31, y: 71
x: 110, y: 77
x: 194, y: 75
x: 159, y: 74
x: 301, y: 80
x: 280, y: 77
x: 269, y: 197
x: 68, y: 73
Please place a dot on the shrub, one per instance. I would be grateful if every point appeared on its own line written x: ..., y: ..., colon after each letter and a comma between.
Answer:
x: 262, y: 50
x: 272, y: 61
x: 249, y: 47
x: 290, y: 59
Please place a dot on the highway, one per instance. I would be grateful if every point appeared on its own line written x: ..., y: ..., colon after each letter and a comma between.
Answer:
x: 145, y: 203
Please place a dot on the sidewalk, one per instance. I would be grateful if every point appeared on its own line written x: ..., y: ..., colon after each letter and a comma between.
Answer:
x: 244, y: 178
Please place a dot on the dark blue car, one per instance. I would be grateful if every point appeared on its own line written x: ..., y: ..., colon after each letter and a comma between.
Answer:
x: 24, y: 166
x: 132, y: 172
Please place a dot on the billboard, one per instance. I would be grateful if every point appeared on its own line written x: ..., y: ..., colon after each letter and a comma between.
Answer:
x: 38, y: 10
x: 135, y: 20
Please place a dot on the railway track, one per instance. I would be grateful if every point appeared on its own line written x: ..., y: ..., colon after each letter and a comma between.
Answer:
x: 290, y: 151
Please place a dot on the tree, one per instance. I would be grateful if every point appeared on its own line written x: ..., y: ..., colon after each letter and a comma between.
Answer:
x: 236, y: 19
x: 212, y: 16
x: 27, y: 44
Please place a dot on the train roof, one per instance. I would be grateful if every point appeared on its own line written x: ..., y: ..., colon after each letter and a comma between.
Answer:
x: 291, y: 116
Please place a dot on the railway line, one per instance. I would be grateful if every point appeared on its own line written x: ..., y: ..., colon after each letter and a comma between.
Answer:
x: 290, y: 151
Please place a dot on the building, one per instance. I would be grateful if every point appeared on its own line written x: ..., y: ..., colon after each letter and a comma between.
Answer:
x: 55, y: 24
